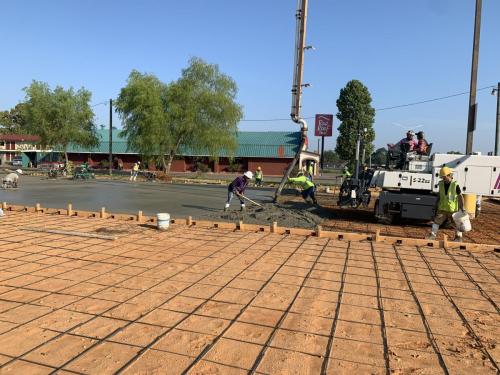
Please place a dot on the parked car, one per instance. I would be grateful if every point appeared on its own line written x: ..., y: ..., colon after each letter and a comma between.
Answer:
x: 17, y: 161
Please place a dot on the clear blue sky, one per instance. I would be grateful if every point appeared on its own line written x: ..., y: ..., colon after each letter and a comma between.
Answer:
x: 403, y: 51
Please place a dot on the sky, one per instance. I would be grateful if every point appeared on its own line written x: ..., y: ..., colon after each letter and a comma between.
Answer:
x: 403, y: 51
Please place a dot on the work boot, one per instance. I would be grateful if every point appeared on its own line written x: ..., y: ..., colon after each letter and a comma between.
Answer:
x: 431, y: 237
x: 226, y: 207
x: 458, y: 239
x: 243, y: 208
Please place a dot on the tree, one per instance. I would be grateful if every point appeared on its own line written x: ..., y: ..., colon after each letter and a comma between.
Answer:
x: 331, y: 158
x: 60, y: 117
x: 13, y: 121
x: 356, y: 114
x: 197, y: 111
x: 379, y: 157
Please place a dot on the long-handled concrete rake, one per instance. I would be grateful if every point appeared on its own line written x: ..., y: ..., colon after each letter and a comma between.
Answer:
x: 251, y: 201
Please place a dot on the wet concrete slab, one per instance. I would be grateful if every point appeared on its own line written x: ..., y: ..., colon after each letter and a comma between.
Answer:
x: 126, y: 197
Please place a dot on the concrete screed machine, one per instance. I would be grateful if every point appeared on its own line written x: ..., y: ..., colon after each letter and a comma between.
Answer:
x: 412, y: 192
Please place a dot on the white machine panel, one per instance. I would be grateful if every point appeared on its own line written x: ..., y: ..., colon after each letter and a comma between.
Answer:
x: 405, y: 180
x: 475, y: 174
x: 418, y: 166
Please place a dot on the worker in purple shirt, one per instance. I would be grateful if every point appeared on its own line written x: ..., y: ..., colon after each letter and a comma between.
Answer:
x: 237, y: 187
x: 403, y: 147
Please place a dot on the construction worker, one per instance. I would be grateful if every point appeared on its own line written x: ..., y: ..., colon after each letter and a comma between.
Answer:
x: 450, y: 200
x: 400, y: 149
x: 237, y: 187
x: 345, y: 173
x: 422, y: 144
x: 258, y: 176
x: 135, y: 171
x: 12, y: 179
x: 308, y: 187
x: 310, y: 170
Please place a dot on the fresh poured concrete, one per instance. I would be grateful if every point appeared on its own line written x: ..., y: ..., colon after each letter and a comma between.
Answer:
x: 126, y: 197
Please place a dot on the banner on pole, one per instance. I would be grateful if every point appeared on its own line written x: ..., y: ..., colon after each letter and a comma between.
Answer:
x: 323, y: 125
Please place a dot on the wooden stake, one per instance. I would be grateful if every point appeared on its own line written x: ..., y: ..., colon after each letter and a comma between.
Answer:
x: 70, y: 209
x: 139, y: 216
x: 274, y: 227
x: 319, y: 231
x: 103, y: 212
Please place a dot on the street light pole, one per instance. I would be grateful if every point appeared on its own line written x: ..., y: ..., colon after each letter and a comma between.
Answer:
x: 471, y: 123
x: 497, y: 130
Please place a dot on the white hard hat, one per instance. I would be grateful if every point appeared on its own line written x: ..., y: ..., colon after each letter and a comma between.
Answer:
x: 19, y: 171
x: 248, y: 174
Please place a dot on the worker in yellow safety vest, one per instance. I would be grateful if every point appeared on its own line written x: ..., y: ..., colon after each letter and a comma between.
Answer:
x: 135, y: 171
x: 258, y: 176
x: 308, y: 187
x: 450, y: 200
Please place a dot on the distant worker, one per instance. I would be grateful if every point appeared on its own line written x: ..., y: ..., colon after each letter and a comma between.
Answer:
x: 258, y: 176
x: 308, y: 187
x: 345, y: 173
x: 12, y: 179
x: 310, y: 170
x: 237, y: 187
x: 450, y: 200
x: 135, y: 171
x: 422, y: 144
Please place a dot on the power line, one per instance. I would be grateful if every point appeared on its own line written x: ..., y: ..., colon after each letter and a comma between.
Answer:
x: 376, y: 109
x: 431, y: 100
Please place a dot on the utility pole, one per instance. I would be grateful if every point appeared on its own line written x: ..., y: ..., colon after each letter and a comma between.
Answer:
x: 471, y: 123
x: 110, y: 137
x: 497, y: 130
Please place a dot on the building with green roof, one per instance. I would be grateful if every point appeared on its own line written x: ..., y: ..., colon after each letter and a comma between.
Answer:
x: 272, y: 151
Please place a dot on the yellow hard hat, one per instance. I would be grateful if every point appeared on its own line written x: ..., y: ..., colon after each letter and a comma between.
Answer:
x: 445, y: 171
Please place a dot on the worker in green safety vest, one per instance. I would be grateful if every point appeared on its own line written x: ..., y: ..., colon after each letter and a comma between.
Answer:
x: 307, y: 186
x: 258, y: 176
x: 345, y: 173
x: 450, y: 200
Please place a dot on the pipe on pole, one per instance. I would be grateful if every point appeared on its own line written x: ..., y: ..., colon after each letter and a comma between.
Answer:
x: 471, y: 123
x: 298, y: 69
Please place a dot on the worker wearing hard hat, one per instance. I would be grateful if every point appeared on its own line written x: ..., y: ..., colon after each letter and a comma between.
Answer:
x: 12, y: 179
x: 450, y: 200
x: 258, y: 176
x: 308, y: 187
x: 237, y: 187
x: 135, y: 171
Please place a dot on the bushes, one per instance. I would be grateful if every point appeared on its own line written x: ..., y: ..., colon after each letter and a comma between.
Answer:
x: 234, y: 167
x: 201, y: 167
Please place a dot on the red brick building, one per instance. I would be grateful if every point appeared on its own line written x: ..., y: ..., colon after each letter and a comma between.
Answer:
x: 272, y: 151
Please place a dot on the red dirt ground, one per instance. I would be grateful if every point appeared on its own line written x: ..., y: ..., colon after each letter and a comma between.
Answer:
x: 211, y: 301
